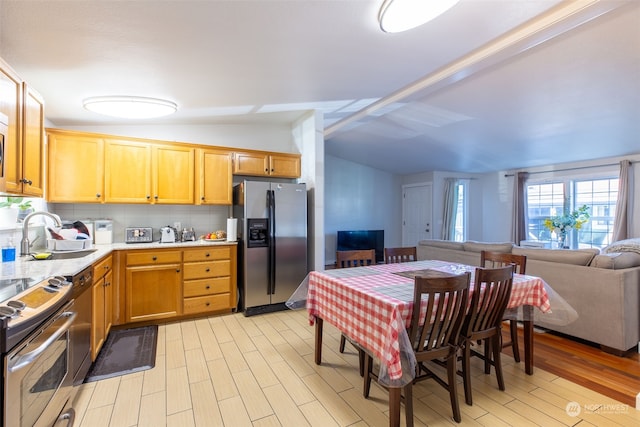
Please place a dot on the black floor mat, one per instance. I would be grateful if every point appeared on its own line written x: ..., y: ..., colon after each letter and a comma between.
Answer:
x: 126, y: 351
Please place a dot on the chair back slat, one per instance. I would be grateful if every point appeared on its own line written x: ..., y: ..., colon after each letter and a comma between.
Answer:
x: 396, y: 255
x: 347, y: 259
x: 489, y: 259
x: 491, y: 293
x: 435, y: 324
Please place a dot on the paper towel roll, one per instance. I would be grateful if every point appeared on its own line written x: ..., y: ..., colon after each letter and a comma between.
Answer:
x: 232, y: 229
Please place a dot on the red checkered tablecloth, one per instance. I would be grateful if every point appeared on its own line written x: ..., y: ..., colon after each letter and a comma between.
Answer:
x: 372, y: 305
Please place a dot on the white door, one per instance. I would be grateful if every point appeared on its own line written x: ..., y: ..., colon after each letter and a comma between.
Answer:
x: 416, y: 213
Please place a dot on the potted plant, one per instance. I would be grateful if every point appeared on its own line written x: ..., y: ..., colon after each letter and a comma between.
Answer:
x: 24, y: 207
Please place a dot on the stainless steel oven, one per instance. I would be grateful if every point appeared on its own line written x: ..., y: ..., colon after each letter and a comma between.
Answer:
x: 35, y: 340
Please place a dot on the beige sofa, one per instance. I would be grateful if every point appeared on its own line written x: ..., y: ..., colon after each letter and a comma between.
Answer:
x: 603, y: 288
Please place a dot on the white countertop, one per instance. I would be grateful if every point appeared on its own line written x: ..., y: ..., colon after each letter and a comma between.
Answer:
x: 27, y: 267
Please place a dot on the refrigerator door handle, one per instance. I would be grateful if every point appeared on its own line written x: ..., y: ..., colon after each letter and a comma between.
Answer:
x: 271, y: 200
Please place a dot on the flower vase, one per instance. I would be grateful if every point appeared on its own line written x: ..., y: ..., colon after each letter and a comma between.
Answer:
x: 562, y: 240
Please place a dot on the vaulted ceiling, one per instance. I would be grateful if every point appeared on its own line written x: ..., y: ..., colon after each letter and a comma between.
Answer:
x: 489, y: 85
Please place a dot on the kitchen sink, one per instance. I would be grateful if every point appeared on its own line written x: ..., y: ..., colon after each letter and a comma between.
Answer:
x: 70, y: 254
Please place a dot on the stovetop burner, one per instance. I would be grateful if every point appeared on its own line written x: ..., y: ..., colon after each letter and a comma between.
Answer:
x: 9, y: 288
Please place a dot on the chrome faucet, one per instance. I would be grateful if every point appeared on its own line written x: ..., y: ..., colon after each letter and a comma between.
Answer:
x: 24, y: 243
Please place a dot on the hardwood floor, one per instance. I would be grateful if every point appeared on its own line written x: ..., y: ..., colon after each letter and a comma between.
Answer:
x: 259, y: 371
x: 587, y: 365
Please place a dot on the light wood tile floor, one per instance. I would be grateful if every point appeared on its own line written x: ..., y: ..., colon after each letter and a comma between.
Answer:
x: 259, y: 371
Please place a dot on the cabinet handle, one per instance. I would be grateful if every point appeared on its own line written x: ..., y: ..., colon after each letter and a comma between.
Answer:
x: 207, y: 287
x: 148, y: 197
x: 177, y: 270
x: 266, y: 170
x: 208, y: 304
x: 202, y: 198
x: 272, y: 169
x: 106, y: 267
x: 26, y: 181
x: 208, y: 254
x: 155, y: 197
x: 207, y: 270
x: 155, y: 258
x: 98, y: 195
x: 107, y: 283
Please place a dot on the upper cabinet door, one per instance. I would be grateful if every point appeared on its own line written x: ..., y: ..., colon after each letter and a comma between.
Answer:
x: 173, y: 174
x: 11, y: 106
x: 251, y: 164
x: 127, y: 172
x: 284, y: 166
x: 215, y: 180
x: 32, y: 143
x: 75, y: 168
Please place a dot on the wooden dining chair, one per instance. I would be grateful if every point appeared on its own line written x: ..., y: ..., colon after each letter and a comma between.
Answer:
x: 433, y: 336
x: 395, y: 255
x: 489, y: 299
x: 357, y: 258
x: 360, y: 258
x: 490, y: 259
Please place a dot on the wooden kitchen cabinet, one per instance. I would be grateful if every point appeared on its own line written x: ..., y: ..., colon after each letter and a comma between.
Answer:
x: 209, y: 279
x: 173, y: 174
x: 22, y: 153
x: 31, y: 175
x: 153, y: 285
x: 267, y: 164
x: 127, y: 171
x: 214, y: 177
x: 75, y: 167
x: 141, y: 172
x: 102, y: 304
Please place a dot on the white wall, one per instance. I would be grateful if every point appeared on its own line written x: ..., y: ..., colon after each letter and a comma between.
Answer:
x: 491, y: 194
x: 358, y: 197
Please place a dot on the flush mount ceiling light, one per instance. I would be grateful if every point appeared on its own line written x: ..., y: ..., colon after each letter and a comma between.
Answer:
x: 130, y: 107
x: 401, y: 15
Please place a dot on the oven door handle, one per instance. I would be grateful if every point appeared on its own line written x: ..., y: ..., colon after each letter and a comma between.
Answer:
x: 22, y: 361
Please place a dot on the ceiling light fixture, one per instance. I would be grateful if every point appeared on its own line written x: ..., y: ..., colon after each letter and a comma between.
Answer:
x: 400, y: 15
x: 130, y: 107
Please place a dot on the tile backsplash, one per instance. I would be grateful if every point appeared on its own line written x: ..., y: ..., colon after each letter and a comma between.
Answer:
x: 203, y: 219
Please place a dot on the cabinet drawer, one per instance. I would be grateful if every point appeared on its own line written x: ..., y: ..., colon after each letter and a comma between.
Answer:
x: 102, y: 267
x: 207, y: 303
x: 200, y: 287
x: 200, y: 270
x: 145, y: 258
x: 207, y: 254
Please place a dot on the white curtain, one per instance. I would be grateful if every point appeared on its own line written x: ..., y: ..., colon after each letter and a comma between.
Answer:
x: 519, y: 213
x: 450, y: 205
x: 621, y: 222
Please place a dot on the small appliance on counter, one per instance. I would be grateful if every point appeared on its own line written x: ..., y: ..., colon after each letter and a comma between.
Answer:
x: 168, y: 234
x: 103, y: 234
x: 138, y: 235
x: 188, y: 235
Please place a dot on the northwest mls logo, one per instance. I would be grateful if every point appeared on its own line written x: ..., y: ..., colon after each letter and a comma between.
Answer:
x: 573, y: 409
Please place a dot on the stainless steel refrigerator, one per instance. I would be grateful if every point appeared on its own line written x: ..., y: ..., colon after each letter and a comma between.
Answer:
x: 272, y: 247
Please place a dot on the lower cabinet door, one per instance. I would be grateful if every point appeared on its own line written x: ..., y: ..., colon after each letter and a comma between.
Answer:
x: 153, y: 292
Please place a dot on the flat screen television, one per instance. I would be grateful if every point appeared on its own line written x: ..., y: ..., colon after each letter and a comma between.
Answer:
x: 362, y: 239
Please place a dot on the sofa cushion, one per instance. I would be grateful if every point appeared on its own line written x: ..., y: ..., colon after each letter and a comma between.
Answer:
x: 504, y: 247
x: 616, y: 260
x: 627, y: 245
x: 565, y: 256
x: 446, y: 244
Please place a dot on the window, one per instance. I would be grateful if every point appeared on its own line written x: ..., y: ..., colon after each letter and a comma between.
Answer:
x: 553, y: 198
x: 461, y: 212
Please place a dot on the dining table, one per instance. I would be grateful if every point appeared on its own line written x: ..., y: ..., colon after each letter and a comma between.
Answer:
x: 372, y: 306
